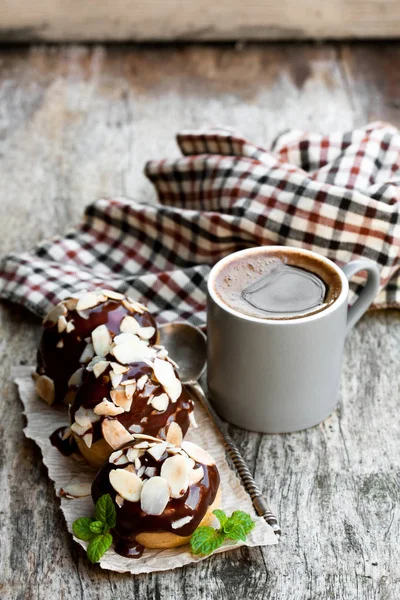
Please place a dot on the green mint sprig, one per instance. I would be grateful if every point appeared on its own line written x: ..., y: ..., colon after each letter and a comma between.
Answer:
x: 206, y: 539
x: 96, y: 530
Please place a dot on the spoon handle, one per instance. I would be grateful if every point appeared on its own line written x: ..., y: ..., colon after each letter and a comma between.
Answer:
x: 259, y: 502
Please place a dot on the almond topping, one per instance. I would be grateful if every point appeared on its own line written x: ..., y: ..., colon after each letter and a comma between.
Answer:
x: 165, y: 374
x: 174, y: 434
x: 130, y: 390
x: 158, y: 450
x: 85, y: 416
x: 71, y: 303
x: 101, y: 339
x: 150, y: 471
x: 146, y: 333
x: 160, y: 402
x: 76, y: 378
x: 89, y: 300
x: 76, y: 490
x: 108, y: 409
x: 117, y: 368
x: 181, y: 522
x: 87, y: 354
x: 79, y: 429
x: 129, y: 325
x: 127, y: 484
x: 155, y: 496
x: 70, y: 327
x: 175, y: 470
x: 115, y: 433
x: 61, y: 324
x: 60, y: 344
x: 116, y: 378
x: 198, y: 454
x: 100, y: 367
x: 196, y: 475
x: 142, y: 382
x: 44, y: 386
x: 88, y: 439
x: 119, y: 500
x: 132, y: 349
x: 115, y: 455
x: 192, y: 420
x: 132, y: 454
x: 113, y: 295
x: 54, y: 313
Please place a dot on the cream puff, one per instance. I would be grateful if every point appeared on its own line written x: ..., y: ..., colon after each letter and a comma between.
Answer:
x: 66, y: 342
x: 161, y: 492
x: 133, y: 389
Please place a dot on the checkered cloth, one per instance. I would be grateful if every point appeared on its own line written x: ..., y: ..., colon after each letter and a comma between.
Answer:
x: 338, y: 195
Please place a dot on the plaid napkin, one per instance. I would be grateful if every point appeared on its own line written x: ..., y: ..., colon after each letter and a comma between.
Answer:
x: 338, y: 195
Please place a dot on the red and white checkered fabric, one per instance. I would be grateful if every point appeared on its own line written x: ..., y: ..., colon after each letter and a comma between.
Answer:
x: 338, y: 195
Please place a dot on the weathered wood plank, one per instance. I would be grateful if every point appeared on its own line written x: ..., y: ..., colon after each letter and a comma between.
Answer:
x: 124, y: 20
x: 79, y: 122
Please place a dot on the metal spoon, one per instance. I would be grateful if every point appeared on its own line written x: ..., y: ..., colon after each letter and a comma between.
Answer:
x: 187, y: 346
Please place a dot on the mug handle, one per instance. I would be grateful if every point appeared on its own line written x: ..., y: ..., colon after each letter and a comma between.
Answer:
x: 369, y: 292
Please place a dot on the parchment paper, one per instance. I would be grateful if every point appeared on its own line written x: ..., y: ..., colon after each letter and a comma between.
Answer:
x: 43, y: 420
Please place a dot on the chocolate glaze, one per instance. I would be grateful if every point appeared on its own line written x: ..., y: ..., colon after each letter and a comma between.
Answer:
x: 131, y: 520
x: 148, y: 420
x: 67, y: 446
x: 60, y: 363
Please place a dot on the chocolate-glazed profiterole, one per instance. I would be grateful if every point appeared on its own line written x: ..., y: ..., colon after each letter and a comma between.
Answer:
x: 161, y: 492
x: 139, y: 393
x: 65, y: 343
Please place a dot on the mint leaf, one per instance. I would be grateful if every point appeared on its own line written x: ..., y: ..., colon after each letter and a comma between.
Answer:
x: 97, y: 527
x: 221, y: 516
x: 82, y: 530
x: 206, y: 539
x: 98, y: 546
x: 105, y: 511
x: 238, y: 525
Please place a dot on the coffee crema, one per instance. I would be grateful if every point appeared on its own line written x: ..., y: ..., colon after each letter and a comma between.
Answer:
x: 277, y: 284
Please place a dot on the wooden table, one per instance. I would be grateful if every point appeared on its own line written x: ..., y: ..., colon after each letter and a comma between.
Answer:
x: 79, y: 122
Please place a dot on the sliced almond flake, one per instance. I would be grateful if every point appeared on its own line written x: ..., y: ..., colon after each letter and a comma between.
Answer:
x: 79, y: 430
x: 130, y: 390
x: 101, y: 339
x: 175, y: 471
x: 87, y: 354
x: 138, y: 463
x: 174, y: 390
x: 76, y: 378
x: 135, y: 428
x: 128, y: 382
x: 89, y: 300
x: 150, y: 400
x: 122, y: 460
x: 113, y: 295
x: 173, y: 450
x: 83, y: 314
x: 54, y: 313
x: 105, y: 408
x: 128, y: 305
x: 181, y: 522
x: 196, y: 475
x: 70, y: 327
x: 174, y: 434
x: 129, y: 325
x: 132, y: 454
x: 44, y: 386
x: 155, y: 496
x: 127, y: 484
x: 148, y: 362
x: 119, y: 500
x: 144, y: 436
x: 163, y: 353
x: 141, y: 471
x: 60, y: 344
x: 160, y: 403
x: 76, y: 490
x: 146, y: 333
x: 117, y: 368
x: 192, y: 420
x: 115, y: 433
x: 71, y: 303
x: 142, y: 445
x: 173, y: 363
x: 141, y: 382
x: 120, y: 398
x: 88, y: 439
x: 116, y: 378
x: 133, y: 350
x: 122, y: 338
x: 61, y: 324
x: 93, y: 362
x: 115, y: 455
x: 157, y: 451
x: 137, y: 306
x: 198, y: 454
x: 189, y: 461
x: 150, y: 471
x: 100, y: 367
x: 66, y: 434
x: 85, y: 416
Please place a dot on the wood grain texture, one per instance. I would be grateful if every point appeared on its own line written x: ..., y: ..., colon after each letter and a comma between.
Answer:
x: 167, y: 20
x: 78, y: 122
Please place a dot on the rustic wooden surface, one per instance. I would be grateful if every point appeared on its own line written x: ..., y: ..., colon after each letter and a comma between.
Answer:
x: 195, y: 20
x: 76, y: 123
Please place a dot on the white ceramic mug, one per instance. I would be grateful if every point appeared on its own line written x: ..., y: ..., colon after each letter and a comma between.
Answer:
x: 278, y: 376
